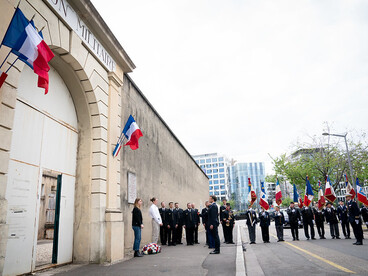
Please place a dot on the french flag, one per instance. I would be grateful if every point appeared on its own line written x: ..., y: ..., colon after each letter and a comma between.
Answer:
x: 297, y: 198
x: 132, y: 133
x: 349, y: 188
x: 3, y: 76
x: 25, y: 42
x: 263, y: 201
x: 321, y: 198
x: 360, y: 193
x: 309, y: 195
x: 251, y: 194
x: 329, y: 191
x: 278, y: 194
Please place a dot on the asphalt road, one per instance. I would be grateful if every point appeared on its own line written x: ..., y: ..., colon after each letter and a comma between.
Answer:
x: 312, y: 257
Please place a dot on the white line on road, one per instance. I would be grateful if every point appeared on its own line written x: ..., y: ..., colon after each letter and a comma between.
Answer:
x: 240, y: 267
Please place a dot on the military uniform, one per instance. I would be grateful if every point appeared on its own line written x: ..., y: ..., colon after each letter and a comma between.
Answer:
x: 197, y: 222
x: 251, y: 223
x: 163, y: 228
x: 308, y: 219
x: 265, y: 221
x: 354, y: 219
x: 331, y: 219
x: 228, y: 224
x: 189, y: 222
x: 222, y: 210
x: 294, y: 219
x: 180, y: 220
x: 171, y: 224
x: 364, y: 212
x: 279, y: 225
x: 342, y: 212
x: 319, y: 218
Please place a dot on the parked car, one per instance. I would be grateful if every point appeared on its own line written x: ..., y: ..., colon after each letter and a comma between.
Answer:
x: 287, y: 223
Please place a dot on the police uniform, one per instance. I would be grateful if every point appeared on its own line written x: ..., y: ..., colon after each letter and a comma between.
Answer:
x: 189, y: 222
x: 354, y: 219
x: 342, y: 213
x: 197, y: 222
x: 264, y: 218
x: 171, y: 224
x: 294, y: 219
x: 228, y: 224
x: 279, y: 225
x: 180, y: 221
x: 163, y: 228
x: 308, y: 219
x: 319, y: 218
x: 331, y: 219
x: 251, y: 223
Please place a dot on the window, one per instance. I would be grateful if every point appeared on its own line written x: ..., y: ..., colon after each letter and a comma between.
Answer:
x: 209, y: 176
x: 211, y: 193
x: 223, y: 192
x: 208, y: 166
x: 221, y: 170
x: 215, y: 170
x: 215, y: 165
x: 215, y: 182
x: 222, y: 187
x: 208, y: 160
x: 221, y: 159
x: 221, y: 164
x: 222, y: 175
x: 209, y: 171
x: 210, y: 182
x: 217, y: 193
x: 197, y: 161
x: 216, y: 187
x: 211, y: 187
x: 222, y: 181
x: 215, y: 176
x: 203, y: 166
x: 201, y: 161
x: 214, y: 159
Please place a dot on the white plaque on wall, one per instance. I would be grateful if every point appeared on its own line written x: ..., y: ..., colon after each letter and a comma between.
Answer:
x: 132, y: 187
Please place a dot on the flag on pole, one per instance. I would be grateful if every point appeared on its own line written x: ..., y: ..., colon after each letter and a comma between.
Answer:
x: 278, y: 194
x: 329, y: 191
x: 251, y: 194
x: 263, y: 201
x: 321, y: 198
x: 349, y: 188
x: 29, y: 46
x: 308, y: 195
x: 362, y: 197
x: 2, y: 78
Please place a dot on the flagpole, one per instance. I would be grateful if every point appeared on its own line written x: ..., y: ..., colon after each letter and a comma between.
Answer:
x: 5, y: 58
x: 11, y: 65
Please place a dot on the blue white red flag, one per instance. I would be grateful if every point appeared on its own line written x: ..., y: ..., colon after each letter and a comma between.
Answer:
x: 309, y: 195
x: 329, y: 191
x: 251, y: 194
x: 278, y: 194
x: 321, y: 198
x: 362, y: 197
x: 263, y: 201
x: 349, y: 188
x: 29, y: 46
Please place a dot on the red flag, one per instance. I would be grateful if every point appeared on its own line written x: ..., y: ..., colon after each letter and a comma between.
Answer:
x: 321, y: 198
x: 329, y: 191
x: 251, y: 193
x: 278, y: 194
x: 2, y: 78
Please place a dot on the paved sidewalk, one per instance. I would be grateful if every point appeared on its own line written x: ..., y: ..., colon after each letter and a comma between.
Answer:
x: 173, y: 260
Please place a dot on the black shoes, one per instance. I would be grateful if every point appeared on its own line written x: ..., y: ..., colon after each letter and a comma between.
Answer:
x: 313, y: 238
x: 337, y: 238
x: 322, y: 238
x: 253, y: 243
x: 137, y: 254
x: 358, y: 243
x: 215, y: 252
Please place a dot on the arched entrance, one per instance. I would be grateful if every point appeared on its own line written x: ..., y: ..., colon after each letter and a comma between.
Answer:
x: 44, y: 145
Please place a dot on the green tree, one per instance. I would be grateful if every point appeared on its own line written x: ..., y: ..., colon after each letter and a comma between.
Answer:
x: 286, y: 202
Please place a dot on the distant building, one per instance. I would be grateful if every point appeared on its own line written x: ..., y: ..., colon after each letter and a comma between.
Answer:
x: 215, y: 166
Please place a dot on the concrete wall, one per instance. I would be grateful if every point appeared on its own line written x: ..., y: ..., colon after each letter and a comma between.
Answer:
x: 163, y: 167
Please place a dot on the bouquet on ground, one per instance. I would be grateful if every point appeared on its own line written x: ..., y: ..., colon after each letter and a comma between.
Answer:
x: 152, y: 248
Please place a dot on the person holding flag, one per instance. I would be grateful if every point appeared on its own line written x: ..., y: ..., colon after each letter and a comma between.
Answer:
x: 251, y: 215
x: 307, y: 213
x: 342, y: 213
x: 364, y: 212
x: 294, y: 220
x: 319, y: 218
x: 265, y: 221
x: 279, y: 224
x: 331, y: 219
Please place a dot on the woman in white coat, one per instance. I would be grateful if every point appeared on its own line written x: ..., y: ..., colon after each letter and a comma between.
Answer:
x: 156, y: 220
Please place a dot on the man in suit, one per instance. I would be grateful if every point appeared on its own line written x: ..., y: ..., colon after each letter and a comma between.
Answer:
x: 294, y: 220
x: 228, y: 223
x: 342, y: 213
x: 364, y: 211
x: 354, y: 219
x: 251, y: 216
x: 279, y: 224
x: 171, y: 224
x: 222, y: 210
x: 163, y: 228
x: 180, y: 221
x: 265, y: 221
x: 197, y: 223
x: 189, y: 223
x: 213, y: 222
x: 204, y: 216
x: 308, y: 222
x: 319, y: 218
x: 331, y: 219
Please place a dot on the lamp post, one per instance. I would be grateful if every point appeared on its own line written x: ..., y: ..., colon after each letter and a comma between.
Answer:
x: 347, y: 150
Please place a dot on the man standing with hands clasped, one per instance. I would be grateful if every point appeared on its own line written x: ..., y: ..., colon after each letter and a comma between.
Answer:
x: 213, y: 223
x: 354, y: 218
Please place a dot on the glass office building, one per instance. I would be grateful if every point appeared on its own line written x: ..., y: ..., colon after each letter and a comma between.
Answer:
x: 238, y: 182
x: 215, y: 166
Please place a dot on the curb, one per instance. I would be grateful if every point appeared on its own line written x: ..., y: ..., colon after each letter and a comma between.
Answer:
x: 240, y: 266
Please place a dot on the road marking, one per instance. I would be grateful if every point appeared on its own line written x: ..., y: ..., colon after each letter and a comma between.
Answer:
x: 240, y: 267
x: 319, y: 258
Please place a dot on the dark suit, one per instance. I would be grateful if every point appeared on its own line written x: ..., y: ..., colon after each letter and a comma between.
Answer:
x: 197, y: 222
x: 279, y: 225
x: 331, y: 219
x: 308, y: 218
x: 171, y: 223
x: 319, y: 218
x: 251, y: 216
x: 163, y: 228
x: 204, y: 216
x: 189, y: 222
x: 180, y: 220
x: 294, y: 218
x: 342, y: 212
x: 354, y: 217
x: 265, y: 221
x: 364, y: 212
x: 222, y: 210
x: 213, y: 220
x: 228, y: 225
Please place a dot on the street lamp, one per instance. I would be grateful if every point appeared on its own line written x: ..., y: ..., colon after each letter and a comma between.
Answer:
x: 347, y: 149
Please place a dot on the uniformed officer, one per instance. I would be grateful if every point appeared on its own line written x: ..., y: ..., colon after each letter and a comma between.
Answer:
x: 251, y: 216
x: 319, y: 218
x: 364, y: 212
x: 197, y: 223
x: 204, y: 216
x: 171, y: 224
x: 308, y: 222
x: 180, y: 221
x: 354, y: 219
x: 228, y: 223
x: 342, y: 213
x: 294, y: 220
x: 331, y: 219
x: 222, y: 210
x: 189, y: 223
x: 265, y: 221
x: 279, y: 224
x: 213, y: 223
x: 163, y: 228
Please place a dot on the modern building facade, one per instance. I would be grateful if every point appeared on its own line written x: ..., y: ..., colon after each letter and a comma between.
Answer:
x: 216, y: 168
x: 238, y: 181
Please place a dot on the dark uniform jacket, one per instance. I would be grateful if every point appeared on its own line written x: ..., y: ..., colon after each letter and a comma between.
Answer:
x: 222, y: 210
x: 163, y: 215
x: 228, y: 215
x: 294, y: 215
x: 364, y: 212
x: 342, y: 212
x: 171, y: 218
x: 307, y: 215
x: 279, y: 218
x: 264, y: 218
x: 213, y: 215
x: 251, y: 216
x: 179, y: 216
x: 196, y: 217
x: 204, y: 216
x: 189, y: 218
x: 330, y: 214
x: 353, y: 211
x: 319, y: 216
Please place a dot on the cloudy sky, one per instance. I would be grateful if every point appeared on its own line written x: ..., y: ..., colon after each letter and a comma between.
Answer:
x: 247, y: 78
